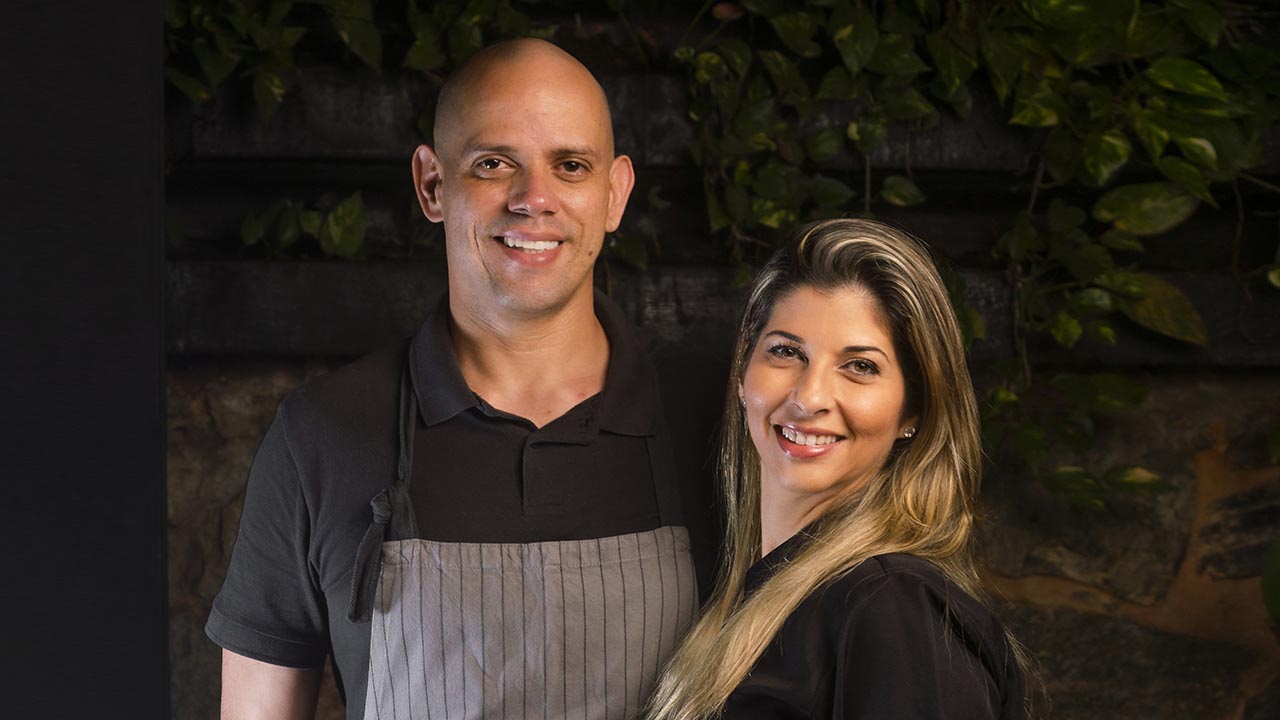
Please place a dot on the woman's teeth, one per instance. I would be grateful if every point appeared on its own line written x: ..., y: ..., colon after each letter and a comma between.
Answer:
x: 800, y: 438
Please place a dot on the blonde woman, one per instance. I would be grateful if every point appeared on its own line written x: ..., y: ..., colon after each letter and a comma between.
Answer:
x: 850, y: 463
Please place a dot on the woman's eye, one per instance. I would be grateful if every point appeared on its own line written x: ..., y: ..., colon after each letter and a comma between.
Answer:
x: 785, y: 352
x: 863, y: 367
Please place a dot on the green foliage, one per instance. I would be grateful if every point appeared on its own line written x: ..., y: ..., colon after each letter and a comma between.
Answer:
x: 211, y: 41
x: 338, y: 227
x: 1138, y: 113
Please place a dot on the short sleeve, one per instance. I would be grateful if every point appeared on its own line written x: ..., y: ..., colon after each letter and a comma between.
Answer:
x: 904, y: 655
x: 270, y: 607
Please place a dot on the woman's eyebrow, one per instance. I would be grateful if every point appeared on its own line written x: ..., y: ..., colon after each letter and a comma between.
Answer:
x: 793, y: 338
x: 865, y: 348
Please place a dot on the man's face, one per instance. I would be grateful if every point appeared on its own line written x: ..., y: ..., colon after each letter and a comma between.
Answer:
x: 526, y: 184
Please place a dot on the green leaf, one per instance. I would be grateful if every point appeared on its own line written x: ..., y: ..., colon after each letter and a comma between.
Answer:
x: 953, y: 64
x: 287, y: 226
x: 1203, y: 19
x: 1072, y: 14
x: 1063, y: 217
x: 1104, y: 154
x: 908, y: 104
x: 1076, y: 486
x: 1187, y: 176
x: 191, y: 87
x: 1115, y: 394
x: 1146, y: 209
x: 250, y: 230
x: 631, y: 250
x: 465, y: 39
x: 214, y: 62
x: 1149, y: 129
x: 868, y: 131
x: 1036, y: 105
x: 1273, y: 276
x: 1101, y: 332
x: 1164, y: 308
x: 1121, y: 240
x: 342, y: 233
x: 268, y: 92
x: 353, y: 21
x: 900, y: 191
x: 796, y: 30
x: 837, y: 84
x: 1062, y: 154
x: 1271, y: 580
x: 1198, y: 150
x: 1088, y: 262
x: 736, y: 54
x: 1003, y: 55
x: 1132, y: 476
x: 1021, y: 240
x: 1185, y: 76
x: 785, y: 75
x: 425, y: 54
x: 829, y: 192
x: 824, y: 144
x: 1091, y: 301
x: 856, y: 42
x: 309, y: 222
x: 896, y: 55
x: 1065, y: 329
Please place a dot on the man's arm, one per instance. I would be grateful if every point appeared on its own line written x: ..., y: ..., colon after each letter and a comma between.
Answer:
x: 254, y: 690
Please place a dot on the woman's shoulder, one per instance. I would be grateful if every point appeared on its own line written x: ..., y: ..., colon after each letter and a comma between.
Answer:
x: 892, y: 587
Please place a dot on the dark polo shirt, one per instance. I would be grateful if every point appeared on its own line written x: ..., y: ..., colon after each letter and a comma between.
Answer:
x: 484, y: 475
x: 480, y: 475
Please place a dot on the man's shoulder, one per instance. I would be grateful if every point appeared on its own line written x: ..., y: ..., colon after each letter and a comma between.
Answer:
x: 350, y: 397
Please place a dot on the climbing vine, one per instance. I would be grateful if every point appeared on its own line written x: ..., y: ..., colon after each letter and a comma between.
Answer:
x: 1136, y: 115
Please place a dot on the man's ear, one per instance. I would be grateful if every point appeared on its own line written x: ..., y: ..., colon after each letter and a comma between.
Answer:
x: 622, y: 177
x: 427, y: 176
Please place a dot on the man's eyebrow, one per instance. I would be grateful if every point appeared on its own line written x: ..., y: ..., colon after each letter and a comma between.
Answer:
x: 583, y: 151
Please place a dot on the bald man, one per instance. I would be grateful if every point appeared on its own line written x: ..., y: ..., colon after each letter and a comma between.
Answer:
x: 492, y: 519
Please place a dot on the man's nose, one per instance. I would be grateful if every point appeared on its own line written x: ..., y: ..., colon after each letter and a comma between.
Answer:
x: 812, y: 392
x: 533, y: 193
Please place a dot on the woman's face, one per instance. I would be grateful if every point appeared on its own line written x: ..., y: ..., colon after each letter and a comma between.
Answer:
x: 824, y: 394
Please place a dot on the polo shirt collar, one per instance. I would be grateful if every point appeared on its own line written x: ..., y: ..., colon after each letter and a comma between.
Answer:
x: 627, y: 406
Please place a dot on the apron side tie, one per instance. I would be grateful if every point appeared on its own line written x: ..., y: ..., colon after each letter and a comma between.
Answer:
x: 368, y: 565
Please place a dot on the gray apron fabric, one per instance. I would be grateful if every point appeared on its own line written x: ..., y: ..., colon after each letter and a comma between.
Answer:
x: 561, y: 629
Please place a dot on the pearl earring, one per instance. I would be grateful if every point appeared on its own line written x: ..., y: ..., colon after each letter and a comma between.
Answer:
x: 909, y: 433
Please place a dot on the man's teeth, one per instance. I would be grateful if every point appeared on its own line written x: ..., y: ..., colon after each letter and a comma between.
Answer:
x: 530, y: 245
x: 800, y: 438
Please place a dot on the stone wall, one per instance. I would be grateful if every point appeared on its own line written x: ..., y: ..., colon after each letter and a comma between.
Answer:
x: 1150, y: 607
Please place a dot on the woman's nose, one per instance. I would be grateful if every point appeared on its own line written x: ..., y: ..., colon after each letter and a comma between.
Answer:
x: 812, y: 391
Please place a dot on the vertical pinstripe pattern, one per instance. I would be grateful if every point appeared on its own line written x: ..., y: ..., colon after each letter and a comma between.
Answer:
x: 574, y: 629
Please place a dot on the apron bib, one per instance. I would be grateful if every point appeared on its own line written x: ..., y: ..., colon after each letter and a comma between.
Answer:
x: 560, y: 629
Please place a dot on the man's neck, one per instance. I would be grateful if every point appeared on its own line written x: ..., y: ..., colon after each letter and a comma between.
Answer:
x: 536, y: 368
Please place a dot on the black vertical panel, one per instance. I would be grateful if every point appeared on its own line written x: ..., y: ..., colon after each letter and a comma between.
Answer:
x: 81, y: 364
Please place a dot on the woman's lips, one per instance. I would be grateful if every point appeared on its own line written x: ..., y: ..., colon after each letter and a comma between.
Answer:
x: 800, y: 444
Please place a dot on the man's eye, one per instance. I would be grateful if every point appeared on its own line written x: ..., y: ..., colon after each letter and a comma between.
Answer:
x: 489, y: 164
x: 573, y: 166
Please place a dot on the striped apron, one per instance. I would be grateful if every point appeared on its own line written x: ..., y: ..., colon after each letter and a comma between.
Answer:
x: 559, y: 629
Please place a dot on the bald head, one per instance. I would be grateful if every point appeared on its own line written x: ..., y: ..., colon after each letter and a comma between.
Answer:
x: 514, y: 62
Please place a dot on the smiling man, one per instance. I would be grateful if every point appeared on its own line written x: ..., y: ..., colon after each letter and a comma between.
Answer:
x: 491, y: 520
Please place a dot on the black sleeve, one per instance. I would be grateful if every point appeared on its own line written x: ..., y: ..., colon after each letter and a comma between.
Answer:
x: 903, y: 655
x: 270, y: 607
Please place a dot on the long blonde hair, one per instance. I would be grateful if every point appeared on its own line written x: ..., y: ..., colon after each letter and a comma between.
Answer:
x: 921, y: 502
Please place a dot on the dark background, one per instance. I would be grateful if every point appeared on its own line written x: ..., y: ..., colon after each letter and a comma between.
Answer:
x: 82, y: 361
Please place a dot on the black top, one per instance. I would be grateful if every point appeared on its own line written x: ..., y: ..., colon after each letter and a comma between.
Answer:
x: 892, y: 639
x: 333, y: 446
